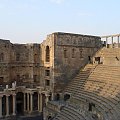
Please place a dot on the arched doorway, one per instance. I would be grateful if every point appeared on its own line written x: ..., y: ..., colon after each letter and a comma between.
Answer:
x: 20, y: 103
x: 57, y: 97
x: 66, y: 97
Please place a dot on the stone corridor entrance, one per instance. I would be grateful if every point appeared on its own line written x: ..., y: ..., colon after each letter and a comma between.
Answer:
x: 19, y: 103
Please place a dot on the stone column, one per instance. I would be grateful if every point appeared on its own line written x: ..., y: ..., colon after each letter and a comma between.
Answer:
x: 47, y: 98
x: 31, y: 102
x: 28, y: 102
x: 0, y: 106
x: 24, y: 102
x: 7, y: 105
x: 118, y: 41
x: 112, y: 41
x: 106, y: 41
x: 52, y: 97
x: 14, y: 103
x: 38, y: 101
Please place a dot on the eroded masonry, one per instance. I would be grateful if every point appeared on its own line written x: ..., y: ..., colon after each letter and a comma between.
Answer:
x: 47, y: 77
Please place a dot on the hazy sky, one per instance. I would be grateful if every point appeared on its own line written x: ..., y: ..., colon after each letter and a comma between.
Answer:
x: 26, y: 21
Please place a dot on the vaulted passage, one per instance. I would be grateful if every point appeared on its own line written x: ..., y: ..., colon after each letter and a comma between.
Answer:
x: 19, y: 103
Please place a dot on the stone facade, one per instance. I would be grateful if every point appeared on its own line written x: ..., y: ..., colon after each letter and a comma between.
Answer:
x: 72, y: 52
x: 36, y: 73
x: 94, y: 92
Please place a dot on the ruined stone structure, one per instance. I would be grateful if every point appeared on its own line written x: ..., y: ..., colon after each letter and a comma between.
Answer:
x: 64, y: 78
x: 94, y: 93
x: 33, y: 74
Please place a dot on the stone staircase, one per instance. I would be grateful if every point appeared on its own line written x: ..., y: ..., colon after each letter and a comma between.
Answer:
x: 80, y: 79
x: 97, y: 84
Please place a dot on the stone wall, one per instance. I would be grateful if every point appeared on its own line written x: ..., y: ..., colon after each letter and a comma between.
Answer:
x: 51, y: 64
x: 48, y: 65
x: 72, y: 52
x: 5, y: 49
x: 19, y: 62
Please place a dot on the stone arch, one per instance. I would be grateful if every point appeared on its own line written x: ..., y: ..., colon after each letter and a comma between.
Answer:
x: 47, y: 54
x: 20, y: 103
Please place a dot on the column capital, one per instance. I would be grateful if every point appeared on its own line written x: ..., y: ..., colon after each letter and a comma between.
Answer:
x: 13, y: 94
x: 31, y: 93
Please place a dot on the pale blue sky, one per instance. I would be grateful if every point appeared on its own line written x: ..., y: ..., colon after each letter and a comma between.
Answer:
x: 26, y: 21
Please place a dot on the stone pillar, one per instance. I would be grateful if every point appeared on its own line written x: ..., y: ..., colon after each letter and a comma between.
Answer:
x: 52, y: 97
x: 24, y: 102
x: 47, y: 98
x: 14, y: 103
x: 38, y: 101
x: 31, y: 102
x: 106, y: 41
x: 7, y: 105
x: 0, y: 106
x: 118, y: 41
x: 28, y: 102
x: 112, y: 41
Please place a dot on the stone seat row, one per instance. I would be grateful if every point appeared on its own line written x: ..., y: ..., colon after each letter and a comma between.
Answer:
x: 69, y: 113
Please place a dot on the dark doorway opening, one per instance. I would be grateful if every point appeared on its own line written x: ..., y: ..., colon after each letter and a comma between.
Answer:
x: 89, y: 59
x: 4, y: 105
x: 10, y: 104
x: 20, y: 103
x: 35, y: 101
x: 57, y: 97
x: 43, y: 101
x: 66, y: 97
x: 49, y: 118
x: 97, y: 59
x: 91, y: 105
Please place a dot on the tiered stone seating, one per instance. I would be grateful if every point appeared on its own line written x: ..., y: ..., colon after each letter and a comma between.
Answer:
x: 79, y: 80
x: 97, y: 84
x: 70, y: 113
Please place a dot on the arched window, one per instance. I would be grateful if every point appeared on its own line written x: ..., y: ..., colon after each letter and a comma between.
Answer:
x: 73, y: 53
x: 65, y: 53
x: 47, y: 54
x: 1, y: 57
x: 81, y: 52
x: 17, y: 57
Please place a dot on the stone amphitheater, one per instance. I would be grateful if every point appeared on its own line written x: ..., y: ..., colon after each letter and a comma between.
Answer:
x: 66, y: 77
